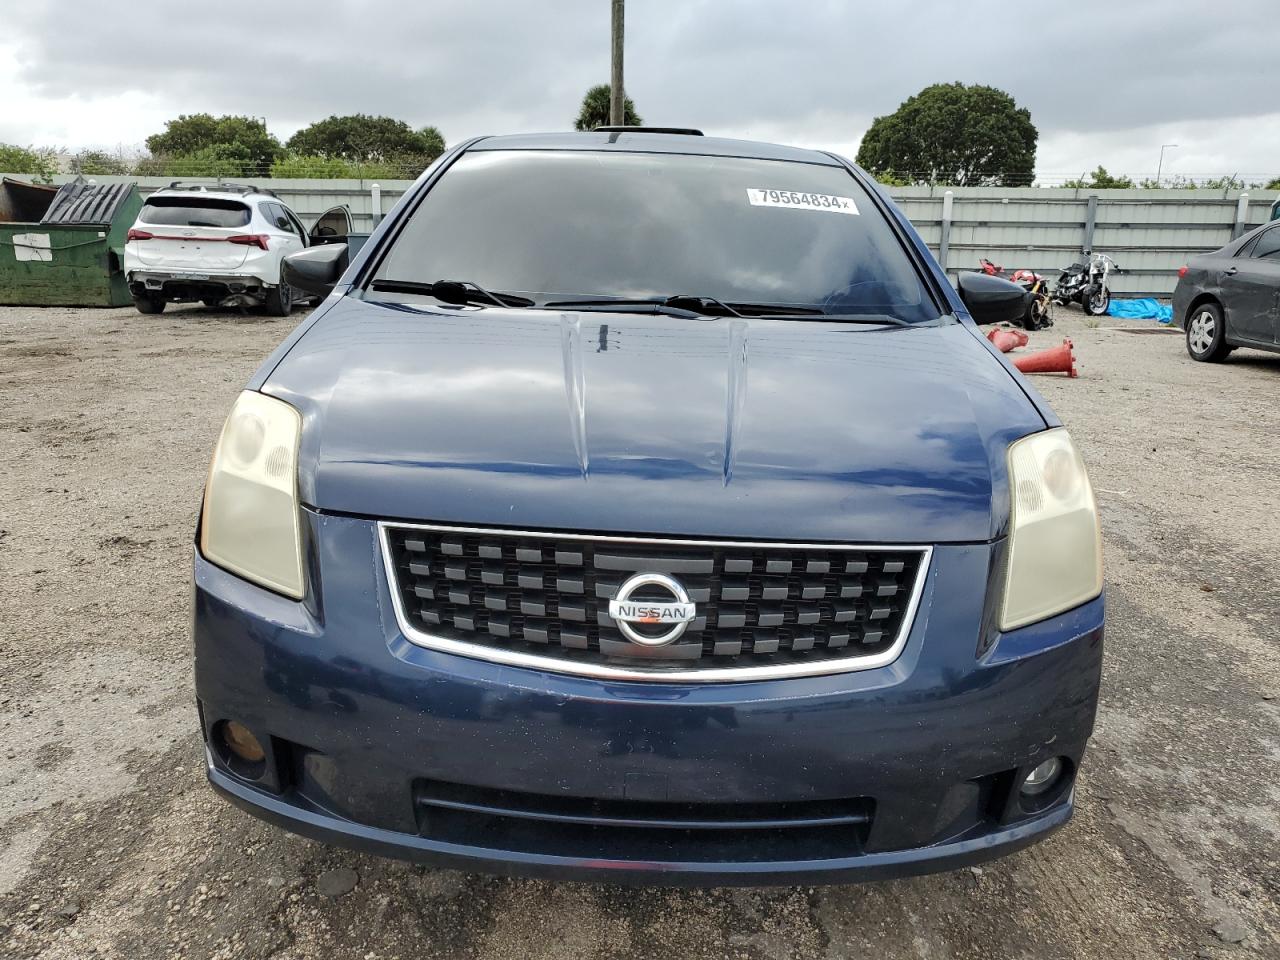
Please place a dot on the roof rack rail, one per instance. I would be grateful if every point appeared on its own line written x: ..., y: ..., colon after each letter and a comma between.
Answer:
x: 687, y: 131
x: 242, y: 188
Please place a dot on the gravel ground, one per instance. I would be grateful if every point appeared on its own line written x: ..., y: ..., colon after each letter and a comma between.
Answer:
x: 111, y: 844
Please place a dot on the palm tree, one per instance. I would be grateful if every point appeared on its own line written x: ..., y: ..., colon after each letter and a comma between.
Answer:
x: 595, y: 110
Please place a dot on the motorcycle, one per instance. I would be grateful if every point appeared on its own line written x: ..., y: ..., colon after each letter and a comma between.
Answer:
x: 1038, y: 314
x: 1085, y: 283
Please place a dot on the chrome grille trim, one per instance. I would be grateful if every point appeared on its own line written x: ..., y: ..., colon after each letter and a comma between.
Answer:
x: 612, y: 671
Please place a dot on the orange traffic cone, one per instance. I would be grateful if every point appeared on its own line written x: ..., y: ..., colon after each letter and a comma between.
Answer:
x: 1054, y: 360
x: 1006, y: 340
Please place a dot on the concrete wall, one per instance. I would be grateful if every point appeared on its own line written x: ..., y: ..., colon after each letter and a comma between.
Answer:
x: 1150, y: 233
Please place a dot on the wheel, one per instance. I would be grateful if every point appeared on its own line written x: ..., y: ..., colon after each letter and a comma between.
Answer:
x: 1038, y: 314
x: 148, y: 303
x: 279, y: 302
x: 1097, y: 301
x: 1207, y: 334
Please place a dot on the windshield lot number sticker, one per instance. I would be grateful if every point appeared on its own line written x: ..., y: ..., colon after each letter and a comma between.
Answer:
x: 803, y: 201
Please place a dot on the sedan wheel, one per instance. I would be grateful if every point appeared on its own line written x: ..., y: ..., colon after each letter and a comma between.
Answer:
x: 1205, y: 334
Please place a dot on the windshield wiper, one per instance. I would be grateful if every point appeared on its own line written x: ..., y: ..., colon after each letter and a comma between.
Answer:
x: 690, y: 305
x: 679, y: 305
x: 875, y: 319
x: 451, y: 291
x: 788, y: 311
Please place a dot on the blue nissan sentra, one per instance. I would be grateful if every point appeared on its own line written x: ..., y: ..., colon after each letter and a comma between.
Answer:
x: 648, y: 507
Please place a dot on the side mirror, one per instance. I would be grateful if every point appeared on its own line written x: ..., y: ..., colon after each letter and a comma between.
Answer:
x: 992, y: 299
x: 315, y: 269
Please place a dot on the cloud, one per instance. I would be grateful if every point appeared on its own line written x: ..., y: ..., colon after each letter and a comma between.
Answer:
x: 1105, y: 82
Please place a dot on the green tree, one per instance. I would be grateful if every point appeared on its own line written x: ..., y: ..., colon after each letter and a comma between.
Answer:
x: 331, y: 168
x: 99, y: 163
x: 1179, y: 182
x: 434, y: 140
x: 595, y: 110
x: 219, y: 160
x: 216, y: 160
x: 954, y: 134
x: 364, y: 139
x: 887, y: 178
x: 1101, y: 180
x: 1273, y: 184
x: 1223, y: 183
x: 223, y: 141
x: 39, y: 164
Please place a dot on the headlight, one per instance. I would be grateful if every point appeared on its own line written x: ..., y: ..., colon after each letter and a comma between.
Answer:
x: 1055, y: 547
x: 250, y: 519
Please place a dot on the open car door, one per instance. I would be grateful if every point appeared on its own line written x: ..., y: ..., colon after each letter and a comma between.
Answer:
x: 336, y: 226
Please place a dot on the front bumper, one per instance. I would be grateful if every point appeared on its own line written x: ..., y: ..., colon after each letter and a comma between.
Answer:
x: 366, y: 732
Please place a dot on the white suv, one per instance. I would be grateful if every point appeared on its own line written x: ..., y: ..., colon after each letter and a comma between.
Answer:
x: 213, y: 244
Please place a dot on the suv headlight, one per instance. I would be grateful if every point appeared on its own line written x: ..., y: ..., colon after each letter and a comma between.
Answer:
x: 249, y: 524
x: 1055, y: 546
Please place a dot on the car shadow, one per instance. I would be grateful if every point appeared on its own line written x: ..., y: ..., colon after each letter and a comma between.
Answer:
x: 198, y: 312
x: 1246, y: 357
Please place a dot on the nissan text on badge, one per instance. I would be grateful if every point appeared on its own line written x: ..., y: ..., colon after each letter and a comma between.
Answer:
x: 643, y: 506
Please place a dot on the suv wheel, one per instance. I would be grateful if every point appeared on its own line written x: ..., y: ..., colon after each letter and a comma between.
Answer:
x: 279, y: 301
x: 1206, y: 334
x: 148, y: 303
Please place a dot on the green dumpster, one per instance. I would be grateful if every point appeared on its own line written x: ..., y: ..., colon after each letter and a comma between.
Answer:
x: 64, y: 246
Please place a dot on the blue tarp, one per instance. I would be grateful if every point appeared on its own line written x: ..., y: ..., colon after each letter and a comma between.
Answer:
x: 1143, y: 308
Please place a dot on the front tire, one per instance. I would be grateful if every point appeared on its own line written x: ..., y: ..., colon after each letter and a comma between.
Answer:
x: 149, y: 304
x: 1095, y: 302
x: 1207, y: 334
x: 279, y: 300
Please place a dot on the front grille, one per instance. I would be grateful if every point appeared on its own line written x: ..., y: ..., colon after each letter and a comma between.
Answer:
x: 794, y: 609
x: 641, y: 830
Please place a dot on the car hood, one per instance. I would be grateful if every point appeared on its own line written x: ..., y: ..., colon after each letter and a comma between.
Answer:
x: 611, y: 422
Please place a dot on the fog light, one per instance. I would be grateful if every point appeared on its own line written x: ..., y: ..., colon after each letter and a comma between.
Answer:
x: 1041, y: 778
x: 242, y: 743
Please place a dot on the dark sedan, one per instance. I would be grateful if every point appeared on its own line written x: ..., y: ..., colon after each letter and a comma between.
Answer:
x: 1231, y: 298
x: 647, y: 506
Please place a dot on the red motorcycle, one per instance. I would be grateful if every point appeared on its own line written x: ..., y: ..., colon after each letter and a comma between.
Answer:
x: 1038, y: 314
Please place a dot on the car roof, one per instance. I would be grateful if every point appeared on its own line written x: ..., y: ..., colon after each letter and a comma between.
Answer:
x: 1242, y: 241
x: 641, y: 141
x: 215, y: 194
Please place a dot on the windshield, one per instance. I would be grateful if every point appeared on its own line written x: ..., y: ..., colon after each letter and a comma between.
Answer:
x: 575, y: 224
x: 194, y: 212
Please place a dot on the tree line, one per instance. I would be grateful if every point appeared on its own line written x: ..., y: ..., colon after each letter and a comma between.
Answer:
x: 948, y: 134
x: 202, y: 145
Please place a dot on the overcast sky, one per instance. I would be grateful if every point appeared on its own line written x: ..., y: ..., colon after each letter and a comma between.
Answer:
x: 1106, y: 81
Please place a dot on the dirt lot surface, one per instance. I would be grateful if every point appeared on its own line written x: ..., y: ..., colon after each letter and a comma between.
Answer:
x: 111, y: 844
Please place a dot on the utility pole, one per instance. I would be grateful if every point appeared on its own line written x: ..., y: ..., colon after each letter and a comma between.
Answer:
x: 617, y: 97
x: 1160, y: 166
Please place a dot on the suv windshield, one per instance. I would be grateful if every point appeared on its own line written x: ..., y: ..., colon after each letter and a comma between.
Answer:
x: 194, y: 212
x: 563, y: 225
